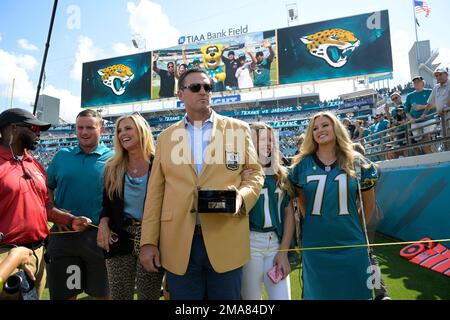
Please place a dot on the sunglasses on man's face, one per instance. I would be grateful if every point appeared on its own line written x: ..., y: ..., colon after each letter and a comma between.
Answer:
x: 196, y: 87
x: 32, y: 127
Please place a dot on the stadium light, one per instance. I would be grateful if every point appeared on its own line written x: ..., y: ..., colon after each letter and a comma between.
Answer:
x: 139, y: 42
x: 292, y: 14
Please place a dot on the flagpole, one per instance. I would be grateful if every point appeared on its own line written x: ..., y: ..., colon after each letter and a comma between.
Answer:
x: 417, y: 38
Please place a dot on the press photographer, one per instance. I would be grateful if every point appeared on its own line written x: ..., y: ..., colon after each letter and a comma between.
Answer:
x: 16, y: 276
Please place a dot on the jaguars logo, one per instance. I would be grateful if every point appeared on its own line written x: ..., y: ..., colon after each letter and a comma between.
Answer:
x: 332, y: 45
x: 116, y: 77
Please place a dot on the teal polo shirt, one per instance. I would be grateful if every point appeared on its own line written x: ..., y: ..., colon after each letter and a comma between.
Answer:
x: 415, y: 97
x: 77, y: 180
x: 261, y: 73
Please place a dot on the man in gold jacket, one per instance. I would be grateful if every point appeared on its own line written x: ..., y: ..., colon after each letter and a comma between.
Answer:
x: 203, y: 253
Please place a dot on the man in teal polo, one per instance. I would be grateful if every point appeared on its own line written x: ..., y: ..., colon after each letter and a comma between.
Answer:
x: 415, y: 104
x: 75, y: 182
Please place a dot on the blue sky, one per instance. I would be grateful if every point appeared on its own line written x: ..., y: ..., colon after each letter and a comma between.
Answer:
x: 87, y: 30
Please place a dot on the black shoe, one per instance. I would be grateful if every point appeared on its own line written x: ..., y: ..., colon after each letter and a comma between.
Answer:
x: 383, y: 296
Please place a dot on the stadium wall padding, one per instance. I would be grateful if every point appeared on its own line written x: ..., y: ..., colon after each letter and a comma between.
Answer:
x: 415, y: 201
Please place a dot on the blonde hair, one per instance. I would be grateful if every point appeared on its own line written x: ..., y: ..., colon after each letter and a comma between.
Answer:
x: 344, y: 149
x: 300, y: 140
x: 116, y: 166
x: 358, y: 147
x: 278, y: 169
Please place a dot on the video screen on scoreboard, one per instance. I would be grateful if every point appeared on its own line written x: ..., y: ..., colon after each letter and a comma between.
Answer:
x: 232, y: 63
x: 338, y: 48
x: 116, y: 80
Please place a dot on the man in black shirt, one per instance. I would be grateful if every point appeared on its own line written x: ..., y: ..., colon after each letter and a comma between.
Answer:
x: 231, y: 65
x: 167, y: 77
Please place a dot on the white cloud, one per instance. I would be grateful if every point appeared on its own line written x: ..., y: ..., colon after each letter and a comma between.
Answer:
x: 69, y: 104
x: 148, y: 20
x: 86, y: 52
x: 401, y: 44
x: 17, y: 67
x: 26, y: 62
x: 26, y: 45
x: 121, y: 49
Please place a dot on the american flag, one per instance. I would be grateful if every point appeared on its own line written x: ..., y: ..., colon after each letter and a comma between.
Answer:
x: 422, y: 6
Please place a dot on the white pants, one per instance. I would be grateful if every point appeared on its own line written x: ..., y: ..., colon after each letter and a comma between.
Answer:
x: 421, y: 128
x: 255, y: 271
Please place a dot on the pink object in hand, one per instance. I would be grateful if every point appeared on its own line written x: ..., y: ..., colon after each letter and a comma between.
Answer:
x: 275, y: 274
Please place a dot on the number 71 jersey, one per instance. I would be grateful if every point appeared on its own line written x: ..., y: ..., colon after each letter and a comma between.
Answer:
x: 331, y: 202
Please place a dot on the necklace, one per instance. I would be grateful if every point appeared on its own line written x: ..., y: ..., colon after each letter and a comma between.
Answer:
x: 137, y: 171
x: 133, y: 173
x: 137, y: 167
x: 327, y: 167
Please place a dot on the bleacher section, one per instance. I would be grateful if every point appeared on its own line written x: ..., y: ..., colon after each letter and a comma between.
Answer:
x: 289, y: 120
x: 288, y: 115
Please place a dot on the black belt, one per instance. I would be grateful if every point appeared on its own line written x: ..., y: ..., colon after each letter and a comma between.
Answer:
x: 198, y: 230
x: 33, y: 245
x: 131, y: 222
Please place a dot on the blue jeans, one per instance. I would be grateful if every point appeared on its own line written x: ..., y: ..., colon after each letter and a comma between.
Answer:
x: 201, y: 281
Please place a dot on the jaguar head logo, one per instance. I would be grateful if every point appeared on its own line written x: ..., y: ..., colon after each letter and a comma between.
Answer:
x: 332, y: 45
x: 116, y: 77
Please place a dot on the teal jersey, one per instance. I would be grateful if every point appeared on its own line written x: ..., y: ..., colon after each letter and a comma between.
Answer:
x: 381, y: 126
x: 212, y: 73
x: 268, y: 212
x: 332, y: 219
x: 366, y: 132
x: 261, y: 73
x: 414, y: 98
x: 394, y: 113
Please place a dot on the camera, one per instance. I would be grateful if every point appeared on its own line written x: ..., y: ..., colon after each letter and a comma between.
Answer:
x: 22, y: 284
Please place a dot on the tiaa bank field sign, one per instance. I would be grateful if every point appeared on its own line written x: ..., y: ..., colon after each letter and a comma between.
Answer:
x: 223, y: 33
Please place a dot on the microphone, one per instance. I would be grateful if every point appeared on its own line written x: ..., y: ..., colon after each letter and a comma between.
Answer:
x: 26, y: 175
x: 2, y: 236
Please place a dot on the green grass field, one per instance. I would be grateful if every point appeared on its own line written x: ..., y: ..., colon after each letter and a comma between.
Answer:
x: 404, y: 280
x: 408, y: 281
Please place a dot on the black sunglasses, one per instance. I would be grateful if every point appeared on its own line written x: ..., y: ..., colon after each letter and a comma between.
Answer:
x: 195, y: 87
